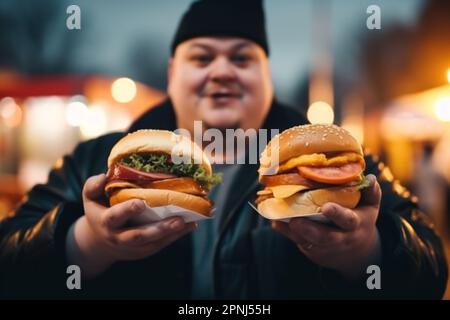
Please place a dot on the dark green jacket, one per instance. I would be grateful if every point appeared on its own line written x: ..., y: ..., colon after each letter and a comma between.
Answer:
x: 265, y: 263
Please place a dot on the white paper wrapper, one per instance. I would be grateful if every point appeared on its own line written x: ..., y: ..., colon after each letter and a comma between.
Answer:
x: 316, y: 216
x: 160, y: 213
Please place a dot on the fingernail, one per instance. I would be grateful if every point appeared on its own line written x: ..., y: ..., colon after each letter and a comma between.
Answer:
x: 177, y: 224
x: 138, y: 205
x: 193, y: 226
x: 330, y: 209
x: 101, y: 176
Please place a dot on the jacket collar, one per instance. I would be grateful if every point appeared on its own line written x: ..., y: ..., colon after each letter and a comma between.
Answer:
x: 161, y: 116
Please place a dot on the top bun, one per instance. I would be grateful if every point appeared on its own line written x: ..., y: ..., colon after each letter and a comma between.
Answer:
x: 146, y: 141
x: 308, y: 139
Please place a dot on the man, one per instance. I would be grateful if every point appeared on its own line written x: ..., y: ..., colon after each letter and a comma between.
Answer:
x: 219, y: 74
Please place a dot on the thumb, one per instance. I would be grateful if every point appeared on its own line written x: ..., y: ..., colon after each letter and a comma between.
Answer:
x: 94, y: 187
x: 371, y: 196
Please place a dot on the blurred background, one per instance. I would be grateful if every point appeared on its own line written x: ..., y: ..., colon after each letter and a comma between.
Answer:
x: 390, y: 87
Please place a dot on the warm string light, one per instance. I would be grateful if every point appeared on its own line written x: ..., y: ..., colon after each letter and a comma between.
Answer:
x: 123, y: 90
x: 320, y: 112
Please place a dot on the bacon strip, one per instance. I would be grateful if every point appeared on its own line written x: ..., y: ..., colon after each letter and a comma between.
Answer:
x: 122, y: 172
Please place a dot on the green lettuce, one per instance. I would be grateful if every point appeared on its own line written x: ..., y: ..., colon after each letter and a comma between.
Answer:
x: 159, y: 163
x: 363, y: 184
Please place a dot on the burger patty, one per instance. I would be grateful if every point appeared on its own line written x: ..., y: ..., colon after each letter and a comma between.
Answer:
x: 186, y: 185
x: 290, y: 178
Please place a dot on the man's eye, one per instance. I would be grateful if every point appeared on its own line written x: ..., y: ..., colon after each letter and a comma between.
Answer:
x: 240, y: 59
x: 202, y: 60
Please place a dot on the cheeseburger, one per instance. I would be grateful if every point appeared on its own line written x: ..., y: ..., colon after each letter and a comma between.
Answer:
x: 142, y: 165
x: 316, y: 164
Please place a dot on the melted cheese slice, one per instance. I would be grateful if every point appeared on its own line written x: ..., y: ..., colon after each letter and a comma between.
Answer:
x: 264, y: 192
x: 120, y: 184
x: 319, y: 159
x: 285, y: 191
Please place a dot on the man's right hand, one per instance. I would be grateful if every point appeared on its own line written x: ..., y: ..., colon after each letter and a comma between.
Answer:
x: 102, y: 237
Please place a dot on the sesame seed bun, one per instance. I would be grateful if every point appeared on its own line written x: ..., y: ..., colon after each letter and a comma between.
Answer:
x: 161, y: 197
x: 307, y: 202
x: 307, y: 139
x: 143, y: 141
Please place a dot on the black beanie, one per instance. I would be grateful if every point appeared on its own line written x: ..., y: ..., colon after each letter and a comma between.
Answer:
x: 237, y: 18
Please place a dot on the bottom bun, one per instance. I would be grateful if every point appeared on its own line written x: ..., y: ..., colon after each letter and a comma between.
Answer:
x: 162, y: 197
x: 307, y: 202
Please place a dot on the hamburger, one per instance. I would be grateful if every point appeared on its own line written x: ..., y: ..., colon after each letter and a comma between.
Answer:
x: 316, y: 164
x: 142, y: 165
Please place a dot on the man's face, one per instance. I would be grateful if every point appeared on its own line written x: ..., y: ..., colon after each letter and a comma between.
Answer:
x: 225, y: 82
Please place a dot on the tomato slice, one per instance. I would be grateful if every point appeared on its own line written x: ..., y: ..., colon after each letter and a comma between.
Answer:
x: 333, y: 175
x: 122, y: 172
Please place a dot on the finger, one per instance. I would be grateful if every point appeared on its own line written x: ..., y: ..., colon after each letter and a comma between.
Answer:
x: 175, y: 236
x: 144, y: 235
x: 94, y: 187
x: 119, y: 214
x: 93, y: 190
x: 316, y: 233
x: 343, y: 218
x: 284, y: 229
x: 371, y: 196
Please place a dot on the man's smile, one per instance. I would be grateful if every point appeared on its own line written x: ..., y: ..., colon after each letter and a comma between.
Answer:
x: 223, y: 96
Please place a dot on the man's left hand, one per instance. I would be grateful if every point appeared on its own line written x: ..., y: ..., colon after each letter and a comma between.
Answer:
x: 349, y: 244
